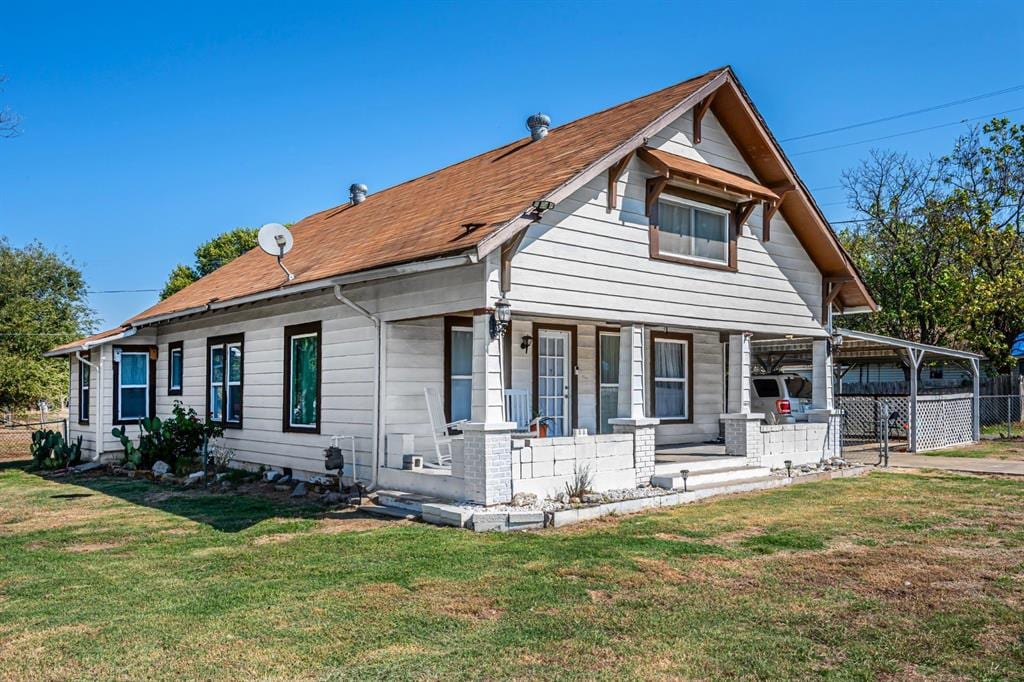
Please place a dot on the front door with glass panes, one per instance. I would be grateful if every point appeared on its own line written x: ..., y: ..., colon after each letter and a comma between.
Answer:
x: 554, y: 380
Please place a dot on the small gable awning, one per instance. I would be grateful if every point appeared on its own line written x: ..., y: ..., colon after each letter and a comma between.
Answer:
x: 680, y: 168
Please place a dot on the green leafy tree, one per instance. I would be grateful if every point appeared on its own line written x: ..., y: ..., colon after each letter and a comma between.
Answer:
x: 42, y: 304
x: 940, y: 244
x: 209, y: 256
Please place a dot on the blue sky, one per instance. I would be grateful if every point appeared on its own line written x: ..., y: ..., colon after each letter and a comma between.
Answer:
x: 149, y: 127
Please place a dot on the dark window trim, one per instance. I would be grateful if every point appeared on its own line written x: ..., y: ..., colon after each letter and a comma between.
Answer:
x: 717, y: 202
x: 151, y: 389
x: 83, y: 403
x: 216, y: 341
x: 672, y: 336
x: 298, y: 330
x: 573, y: 363
x: 171, y: 347
x: 449, y: 322
x: 597, y: 369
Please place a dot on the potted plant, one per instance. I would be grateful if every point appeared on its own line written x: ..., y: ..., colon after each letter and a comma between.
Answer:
x: 541, y: 423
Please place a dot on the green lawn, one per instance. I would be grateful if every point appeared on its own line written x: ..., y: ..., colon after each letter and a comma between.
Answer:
x: 986, y: 449
x: 889, y: 575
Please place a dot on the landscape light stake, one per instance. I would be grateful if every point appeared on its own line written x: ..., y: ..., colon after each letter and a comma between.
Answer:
x: 789, y: 468
x: 686, y: 475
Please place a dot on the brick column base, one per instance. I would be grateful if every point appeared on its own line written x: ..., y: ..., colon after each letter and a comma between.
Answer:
x: 487, y: 462
x: 743, y: 435
x: 643, y: 445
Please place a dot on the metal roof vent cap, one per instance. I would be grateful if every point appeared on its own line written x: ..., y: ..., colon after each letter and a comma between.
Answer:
x: 538, y: 125
x: 357, y: 192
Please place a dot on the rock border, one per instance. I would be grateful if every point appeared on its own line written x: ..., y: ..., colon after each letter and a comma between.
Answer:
x: 505, y: 521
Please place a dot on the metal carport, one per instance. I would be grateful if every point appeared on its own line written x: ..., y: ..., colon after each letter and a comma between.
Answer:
x: 936, y: 421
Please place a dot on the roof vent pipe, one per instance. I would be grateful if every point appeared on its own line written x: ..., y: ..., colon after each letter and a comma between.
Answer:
x: 357, y: 193
x: 538, y: 125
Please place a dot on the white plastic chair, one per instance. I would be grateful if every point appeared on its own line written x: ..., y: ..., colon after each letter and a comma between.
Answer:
x: 517, y: 407
x: 438, y: 426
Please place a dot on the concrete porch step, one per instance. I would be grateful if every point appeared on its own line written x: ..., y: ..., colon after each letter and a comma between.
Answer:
x: 710, y: 478
x: 673, y: 464
x: 389, y: 512
x: 410, y: 502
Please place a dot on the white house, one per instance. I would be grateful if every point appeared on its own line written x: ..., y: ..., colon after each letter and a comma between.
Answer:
x: 639, y: 250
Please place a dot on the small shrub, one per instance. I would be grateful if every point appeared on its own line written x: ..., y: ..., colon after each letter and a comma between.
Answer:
x: 581, y: 482
x: 178, y: 440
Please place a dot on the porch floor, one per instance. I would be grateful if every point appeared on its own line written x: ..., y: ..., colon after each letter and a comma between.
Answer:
x: 670, y: 459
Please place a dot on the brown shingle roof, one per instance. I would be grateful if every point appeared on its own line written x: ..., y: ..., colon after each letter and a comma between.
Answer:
x: 425, y: 217
x: 89, y: 340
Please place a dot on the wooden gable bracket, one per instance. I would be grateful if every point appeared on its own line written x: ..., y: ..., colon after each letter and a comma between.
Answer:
x: 742, y: 214
x: 698, y: 115
x: 832, y: 286
x: 772, y: 207
x: 613, y: 179
x: 508, y: 249
x: 654, y: 188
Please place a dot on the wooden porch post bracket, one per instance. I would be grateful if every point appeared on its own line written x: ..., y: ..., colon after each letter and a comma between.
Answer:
x: 772, y: 207
x: 698, y: 115
x: 613, y: 179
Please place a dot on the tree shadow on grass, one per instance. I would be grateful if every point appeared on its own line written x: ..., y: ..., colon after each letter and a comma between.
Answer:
x: 228, y: 512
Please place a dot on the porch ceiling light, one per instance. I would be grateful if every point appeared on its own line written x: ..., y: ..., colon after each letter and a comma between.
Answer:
x: 500, y: 318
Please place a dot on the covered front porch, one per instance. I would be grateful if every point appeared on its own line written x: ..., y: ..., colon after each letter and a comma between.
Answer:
x: 532, y: 404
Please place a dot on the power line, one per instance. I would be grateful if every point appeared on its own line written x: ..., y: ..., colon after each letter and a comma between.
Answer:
x: 908, y: 132
x: 123, y: 291
x: 945, y: 105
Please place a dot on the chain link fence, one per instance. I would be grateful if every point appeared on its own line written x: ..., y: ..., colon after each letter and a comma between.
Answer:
x: 1001, y: 416
x: 870, y: 421
x: 16, y: 435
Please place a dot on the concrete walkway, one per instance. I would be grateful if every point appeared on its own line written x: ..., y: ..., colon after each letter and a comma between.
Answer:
x: 965, y: 464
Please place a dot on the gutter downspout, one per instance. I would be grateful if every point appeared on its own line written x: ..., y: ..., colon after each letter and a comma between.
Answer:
x: 377, y: 355
x: 99, y: 401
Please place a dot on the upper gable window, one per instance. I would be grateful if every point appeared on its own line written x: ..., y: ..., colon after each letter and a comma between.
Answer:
x: 691, y: 230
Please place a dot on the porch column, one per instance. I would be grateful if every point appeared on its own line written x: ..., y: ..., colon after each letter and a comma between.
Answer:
x: 632, y: 417
x: 976, y: 400
x: 739, y: 373
x: 631, y: 372
x: 821, y: 377
x: 487, y: 437
x: 742, y: 427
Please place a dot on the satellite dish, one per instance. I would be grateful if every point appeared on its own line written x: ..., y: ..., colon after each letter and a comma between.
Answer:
x: 275, y: 239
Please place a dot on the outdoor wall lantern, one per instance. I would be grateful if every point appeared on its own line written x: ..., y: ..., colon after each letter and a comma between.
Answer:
x: 500, y: 318
x: 525, y: 342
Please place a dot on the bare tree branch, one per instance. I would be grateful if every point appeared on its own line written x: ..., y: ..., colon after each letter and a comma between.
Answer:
x: 9, y: 120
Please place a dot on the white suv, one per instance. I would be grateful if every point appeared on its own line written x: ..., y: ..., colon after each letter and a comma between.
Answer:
x: 783, y: 398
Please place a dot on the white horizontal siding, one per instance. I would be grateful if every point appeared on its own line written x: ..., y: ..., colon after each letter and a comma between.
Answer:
x: 581, y: 260
x: 347, y: 378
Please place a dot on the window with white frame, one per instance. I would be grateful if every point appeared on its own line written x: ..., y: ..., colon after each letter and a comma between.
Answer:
x: 459, y: 344
x: 608, y: 378
x: 175, y: 367
x: 134, y: 381
x: 225, y: 372
x: 670, y: 375
x: 690, y: 230
x: 84, y: 386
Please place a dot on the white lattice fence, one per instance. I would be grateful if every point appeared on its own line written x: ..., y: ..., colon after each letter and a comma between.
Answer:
x: 944, y: 420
